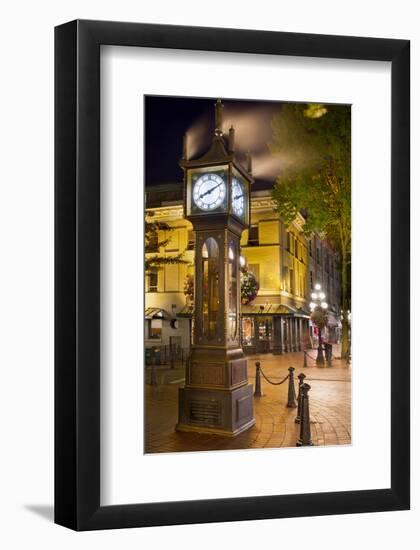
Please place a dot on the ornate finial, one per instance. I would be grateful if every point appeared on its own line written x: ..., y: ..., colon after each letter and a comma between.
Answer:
x: 185, y: 147
x: 218, y: 118
x: 249, y: 162
x: 231, y: 141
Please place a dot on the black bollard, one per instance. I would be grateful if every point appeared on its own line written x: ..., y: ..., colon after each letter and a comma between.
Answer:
x: 328, y: 354
x: 291, y: 395
x: 305, y: 420
x: 301, y: 377
x: 153, y: 377
x: 305, y: 360
x: 258, y: 392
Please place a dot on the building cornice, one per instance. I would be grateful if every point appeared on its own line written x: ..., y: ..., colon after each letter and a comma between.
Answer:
x: 168, y: 211
x: 258, y: 204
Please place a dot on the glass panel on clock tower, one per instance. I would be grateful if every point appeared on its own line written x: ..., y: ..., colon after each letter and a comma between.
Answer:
x: 210, y: 287
x: 233, y: 282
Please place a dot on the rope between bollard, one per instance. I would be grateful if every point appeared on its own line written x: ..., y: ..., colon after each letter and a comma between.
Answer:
x: 333, y: 358
x: 274, y: 383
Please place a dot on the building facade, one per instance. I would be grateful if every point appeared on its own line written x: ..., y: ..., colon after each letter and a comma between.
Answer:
x: 286, y: 263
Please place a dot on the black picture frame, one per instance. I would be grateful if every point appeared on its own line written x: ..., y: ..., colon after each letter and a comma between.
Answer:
x: 77, y: 275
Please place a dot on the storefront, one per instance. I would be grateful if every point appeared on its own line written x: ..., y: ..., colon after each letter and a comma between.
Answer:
x: 269, y: 328
x: 274, y: 328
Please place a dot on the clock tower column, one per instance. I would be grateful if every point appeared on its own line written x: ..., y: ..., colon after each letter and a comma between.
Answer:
x: 217, y: 397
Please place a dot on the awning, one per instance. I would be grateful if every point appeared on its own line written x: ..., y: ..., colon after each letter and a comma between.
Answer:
x: 272, y: 309
x: 263, y: 309
x: 303, y: 311
x: 157, y: 313
x: 186, y: 311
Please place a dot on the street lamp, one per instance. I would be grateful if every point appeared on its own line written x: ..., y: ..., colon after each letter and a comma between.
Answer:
x: 319, y: 316
x: 349, y: 320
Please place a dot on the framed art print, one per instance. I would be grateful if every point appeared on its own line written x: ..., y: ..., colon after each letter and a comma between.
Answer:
x: 232, y: 275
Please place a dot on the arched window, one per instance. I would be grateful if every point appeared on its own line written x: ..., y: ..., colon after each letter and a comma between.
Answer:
x: 233, y: 282
x: 210, y: 286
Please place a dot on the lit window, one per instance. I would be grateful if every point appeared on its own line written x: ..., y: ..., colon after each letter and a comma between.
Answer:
x: 291, y: 282
x: 153, y: 280
x: 155, y: 329
x: 191, y: 240
x: 253, y: 235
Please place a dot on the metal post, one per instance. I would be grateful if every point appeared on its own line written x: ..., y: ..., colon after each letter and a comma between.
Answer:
x: 301, y: 377
x: 320, y: 356
x: 281, y: 338
x: 305, y: 420
x: 286, y: 336
x: 153, y: 377
x: 305, y: 360
x: 172, y: 357
x: 292, y: 343
x: 293, y: 333
x: 328, y: 354
x: 299, y: 332
x: 291, y: 396
x: 257, y: 392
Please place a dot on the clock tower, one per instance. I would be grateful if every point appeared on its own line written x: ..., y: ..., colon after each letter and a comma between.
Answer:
x: 217, y: 397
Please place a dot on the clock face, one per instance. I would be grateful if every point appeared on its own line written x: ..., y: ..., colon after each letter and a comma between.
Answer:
x: 238, y: 198
x: 209, y: 192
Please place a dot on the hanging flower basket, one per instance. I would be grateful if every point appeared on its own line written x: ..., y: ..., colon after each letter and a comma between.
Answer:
x: 189, y: 288
x: 249, y: 287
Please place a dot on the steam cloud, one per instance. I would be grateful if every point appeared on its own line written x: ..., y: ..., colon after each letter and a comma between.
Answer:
x: 252, y: 133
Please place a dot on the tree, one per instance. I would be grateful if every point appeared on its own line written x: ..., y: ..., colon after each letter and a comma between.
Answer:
x: 317, y: 180
x: 152, y: 244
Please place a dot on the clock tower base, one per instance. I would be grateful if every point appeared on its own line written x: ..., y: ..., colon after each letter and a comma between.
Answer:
x: 225, y: 411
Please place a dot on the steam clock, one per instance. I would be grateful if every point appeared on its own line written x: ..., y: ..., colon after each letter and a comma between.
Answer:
x: 217, y: 397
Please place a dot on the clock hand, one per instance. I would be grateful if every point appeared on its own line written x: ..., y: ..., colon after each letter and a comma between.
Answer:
x: 238, y: 197
x: 210, y: 190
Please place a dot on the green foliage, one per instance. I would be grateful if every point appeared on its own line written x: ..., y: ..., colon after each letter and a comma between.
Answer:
x: 318, y: 180
x: 152, y: 244
x: 316, y: 140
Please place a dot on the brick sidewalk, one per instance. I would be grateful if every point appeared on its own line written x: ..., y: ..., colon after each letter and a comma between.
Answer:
x: 330, y: 408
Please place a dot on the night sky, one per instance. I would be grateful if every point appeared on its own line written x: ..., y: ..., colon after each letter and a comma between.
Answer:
x: 169, y: 118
